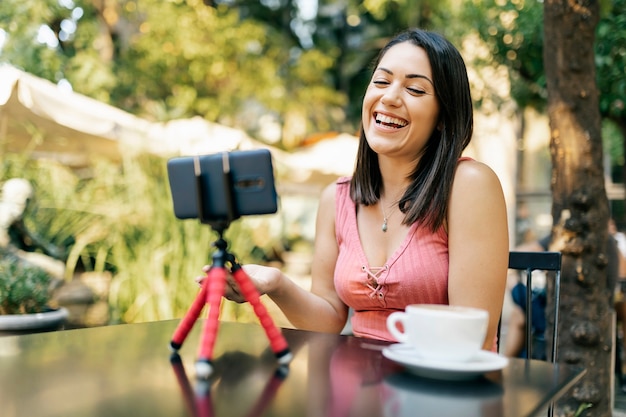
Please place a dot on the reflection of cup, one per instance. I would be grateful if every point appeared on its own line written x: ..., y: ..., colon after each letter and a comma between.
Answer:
x: 405, y: 395
x: 440, y: 332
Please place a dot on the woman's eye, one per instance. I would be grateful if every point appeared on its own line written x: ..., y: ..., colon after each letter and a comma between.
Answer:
x: 380, y: 82
x: 414, y: 90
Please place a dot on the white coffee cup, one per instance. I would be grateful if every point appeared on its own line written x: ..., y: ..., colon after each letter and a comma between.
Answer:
x: 440, y: 332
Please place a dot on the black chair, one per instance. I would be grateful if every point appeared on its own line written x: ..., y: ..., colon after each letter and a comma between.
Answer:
x: 529, y: 262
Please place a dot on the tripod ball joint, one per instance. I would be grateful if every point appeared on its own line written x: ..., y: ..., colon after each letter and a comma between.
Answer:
x: 204, y: 368
x: 175, y: 347
x: 284, y: 357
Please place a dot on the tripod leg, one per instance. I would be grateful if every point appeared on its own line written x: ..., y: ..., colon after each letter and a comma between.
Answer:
x: 251, y: 294
x: 216, y: 288
x: 183, y: 382
x: 269, y: 392
x: 184, y: 327
x: 204, y: 404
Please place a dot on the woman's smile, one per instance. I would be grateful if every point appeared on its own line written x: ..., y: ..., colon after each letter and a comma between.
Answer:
x: 389, y: 121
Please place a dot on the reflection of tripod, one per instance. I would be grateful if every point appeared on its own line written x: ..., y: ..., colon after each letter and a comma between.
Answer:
x: 199, y: 401
x: 214, y: 286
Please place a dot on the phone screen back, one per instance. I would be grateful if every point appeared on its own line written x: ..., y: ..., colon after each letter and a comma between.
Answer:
x: 253, y: 189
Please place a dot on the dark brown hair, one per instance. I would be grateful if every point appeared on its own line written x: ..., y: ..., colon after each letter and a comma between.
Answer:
x: 426, y: 199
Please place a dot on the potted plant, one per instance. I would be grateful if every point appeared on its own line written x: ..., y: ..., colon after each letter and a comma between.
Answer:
x: 25, y: 293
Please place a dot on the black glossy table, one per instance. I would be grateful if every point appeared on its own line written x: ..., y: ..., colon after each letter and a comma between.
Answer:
x: 126, y: 370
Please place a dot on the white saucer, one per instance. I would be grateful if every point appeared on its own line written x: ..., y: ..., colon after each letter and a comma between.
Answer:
x: 483, y: 362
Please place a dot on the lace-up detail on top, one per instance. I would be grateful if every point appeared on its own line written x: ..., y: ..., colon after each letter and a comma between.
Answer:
x: 372, y: 281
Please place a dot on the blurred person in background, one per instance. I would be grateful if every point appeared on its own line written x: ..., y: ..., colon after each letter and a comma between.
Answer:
x: 620, y: 303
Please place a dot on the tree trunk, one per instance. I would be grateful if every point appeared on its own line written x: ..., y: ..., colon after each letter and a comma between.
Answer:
x: 580, y: 205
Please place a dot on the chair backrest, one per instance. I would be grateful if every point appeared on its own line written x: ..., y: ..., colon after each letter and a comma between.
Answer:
x: 533, y: 261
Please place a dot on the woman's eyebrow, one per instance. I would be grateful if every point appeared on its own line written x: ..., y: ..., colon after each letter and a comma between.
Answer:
x: 420, y: 76
x: 388, y: 71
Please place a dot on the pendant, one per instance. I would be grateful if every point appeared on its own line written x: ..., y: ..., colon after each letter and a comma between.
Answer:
x: 384, y: 228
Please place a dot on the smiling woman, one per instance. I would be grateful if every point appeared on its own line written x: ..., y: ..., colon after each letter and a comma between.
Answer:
x: 398, y: 230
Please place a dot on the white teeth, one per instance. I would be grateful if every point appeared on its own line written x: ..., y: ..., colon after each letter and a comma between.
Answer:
x: 381, y: 118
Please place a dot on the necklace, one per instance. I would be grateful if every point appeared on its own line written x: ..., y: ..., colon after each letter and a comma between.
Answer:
x: 385, y: 217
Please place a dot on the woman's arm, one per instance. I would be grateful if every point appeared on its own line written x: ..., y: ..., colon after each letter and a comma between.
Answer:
x: 478, y: 242
x: 319, y: 309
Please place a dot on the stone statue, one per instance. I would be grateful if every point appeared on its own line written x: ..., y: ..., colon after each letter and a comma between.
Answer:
x: 16, y: 239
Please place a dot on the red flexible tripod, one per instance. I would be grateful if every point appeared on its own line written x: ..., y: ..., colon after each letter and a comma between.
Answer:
x: 214, y: 286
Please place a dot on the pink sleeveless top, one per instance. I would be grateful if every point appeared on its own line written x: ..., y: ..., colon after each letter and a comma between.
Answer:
x: 417, y: 272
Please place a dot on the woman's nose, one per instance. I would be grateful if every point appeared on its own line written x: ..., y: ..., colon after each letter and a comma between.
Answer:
x: 391, y: 96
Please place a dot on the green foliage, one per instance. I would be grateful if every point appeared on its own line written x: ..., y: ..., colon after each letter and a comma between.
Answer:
x: 122, y: 221
x: 24, y: 289
x: 21, y: 21
x: 611, y: 61
x: 581, y: 409
x: 513, y: 32
x: 613, y: 142
x: 613, y: 147
x: 190, y: 59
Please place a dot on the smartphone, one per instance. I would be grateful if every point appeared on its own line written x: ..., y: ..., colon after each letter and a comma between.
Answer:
x: 223, y: 186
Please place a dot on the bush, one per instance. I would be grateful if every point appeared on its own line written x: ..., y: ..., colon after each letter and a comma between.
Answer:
x: 24, y: 288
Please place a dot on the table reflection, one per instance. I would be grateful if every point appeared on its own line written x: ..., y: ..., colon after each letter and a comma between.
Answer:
x: 352, y: 378
x: 344, y: 376
x: 405, y: 395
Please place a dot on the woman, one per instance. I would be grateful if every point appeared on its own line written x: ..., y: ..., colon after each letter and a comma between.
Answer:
x: 416, y: 223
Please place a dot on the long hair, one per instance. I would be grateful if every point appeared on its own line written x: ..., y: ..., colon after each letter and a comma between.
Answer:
x: 426, y: 198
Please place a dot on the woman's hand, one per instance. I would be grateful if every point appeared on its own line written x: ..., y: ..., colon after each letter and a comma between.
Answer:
x: 266, y: 279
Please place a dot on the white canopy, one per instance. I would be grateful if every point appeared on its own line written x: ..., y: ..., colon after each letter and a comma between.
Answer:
x: 36, y: 114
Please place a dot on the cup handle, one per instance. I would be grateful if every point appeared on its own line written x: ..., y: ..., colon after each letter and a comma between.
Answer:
x: 392, y: 325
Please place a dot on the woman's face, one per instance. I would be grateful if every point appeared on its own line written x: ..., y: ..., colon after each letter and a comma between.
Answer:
x: 400, y: 109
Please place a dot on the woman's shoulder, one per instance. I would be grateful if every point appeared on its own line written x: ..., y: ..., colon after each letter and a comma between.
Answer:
x: 337, y: 192
x: 341, y: 185
x: 469, y: 169
x: 475, y: 180
x: 476, y: 185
